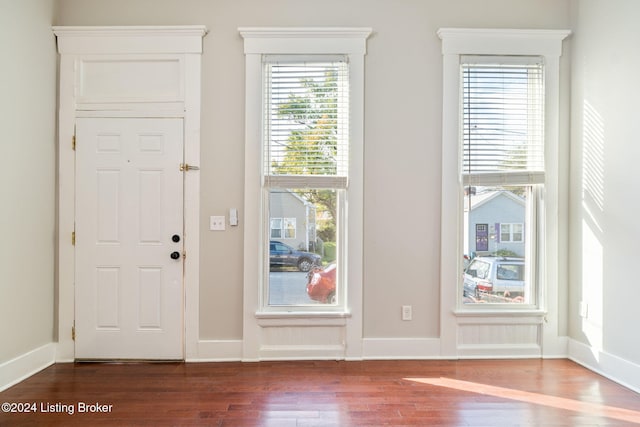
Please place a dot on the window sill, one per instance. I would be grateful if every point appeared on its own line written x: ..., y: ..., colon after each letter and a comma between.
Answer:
x: 302, y: 318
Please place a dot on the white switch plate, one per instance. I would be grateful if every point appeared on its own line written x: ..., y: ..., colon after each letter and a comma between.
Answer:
x: 407, y: 312
x: 216, y: 223
x: 233, y: 216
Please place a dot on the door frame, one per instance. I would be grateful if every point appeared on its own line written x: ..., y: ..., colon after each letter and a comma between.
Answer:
x: 176, y: 51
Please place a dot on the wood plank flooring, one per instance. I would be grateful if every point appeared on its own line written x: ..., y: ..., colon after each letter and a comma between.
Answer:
x: 321, y: 393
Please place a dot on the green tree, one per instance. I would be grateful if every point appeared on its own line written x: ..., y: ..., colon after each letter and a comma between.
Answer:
x: 311, y: 147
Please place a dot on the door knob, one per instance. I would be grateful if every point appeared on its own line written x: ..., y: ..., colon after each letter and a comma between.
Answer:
x: 175, y: 255
x: 175, y: 238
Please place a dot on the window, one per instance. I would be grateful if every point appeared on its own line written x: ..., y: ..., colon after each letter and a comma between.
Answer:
x: 276, y: 228
x: 289, y: 229
x: 503, y: 158
x: 500, y: 155
x: 283, y: 228
x: 303, y: 163
x: 511, y: 233
x: 306, y: 152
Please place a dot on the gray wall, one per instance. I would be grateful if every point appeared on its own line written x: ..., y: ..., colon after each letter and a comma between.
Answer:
x: 403, y: 116
x: 27, y: 176
x: 605, y: 201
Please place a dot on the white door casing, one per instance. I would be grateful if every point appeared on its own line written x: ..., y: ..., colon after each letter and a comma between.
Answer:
x: 129, y: 207
x: 127, y: 72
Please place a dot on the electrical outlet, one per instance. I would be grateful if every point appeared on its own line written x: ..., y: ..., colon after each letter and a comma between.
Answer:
x: 407, y: 312
x: 217, y: 223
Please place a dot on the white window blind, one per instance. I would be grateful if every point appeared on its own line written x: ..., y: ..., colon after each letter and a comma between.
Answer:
x: 503, y: 120
x: 306, y: 124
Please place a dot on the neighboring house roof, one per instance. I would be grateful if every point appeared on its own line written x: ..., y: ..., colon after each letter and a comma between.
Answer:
x: 477, y: 200
x: 291, y: 193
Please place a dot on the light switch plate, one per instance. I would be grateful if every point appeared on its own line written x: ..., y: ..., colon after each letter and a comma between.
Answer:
x: 407, y: 312
x: 217, y: 223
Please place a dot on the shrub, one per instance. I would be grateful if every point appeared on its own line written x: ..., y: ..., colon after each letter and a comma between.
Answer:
x: 329, y: 251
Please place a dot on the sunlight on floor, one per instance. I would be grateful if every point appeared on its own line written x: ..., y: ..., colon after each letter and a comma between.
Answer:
x: 535, y: 398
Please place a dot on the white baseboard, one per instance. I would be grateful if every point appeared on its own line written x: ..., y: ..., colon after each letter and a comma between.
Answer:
x: 499, y: 351
x: 401, y: 348
x: 301, y: 352
x: 373, y: 348
x: 608, y: 365
x: 25, y: 365
x: 555, y: 348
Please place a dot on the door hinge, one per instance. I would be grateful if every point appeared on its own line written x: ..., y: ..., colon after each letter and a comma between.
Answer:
x: 187, y: 167
x: 73, y: 143
x: 73, y: 238
x: 73, y: 333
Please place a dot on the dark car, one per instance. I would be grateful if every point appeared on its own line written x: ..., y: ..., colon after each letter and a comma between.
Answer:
x: 322, y: 285
x: 281, y: 255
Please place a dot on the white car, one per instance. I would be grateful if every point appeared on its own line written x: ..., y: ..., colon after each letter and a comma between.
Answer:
x: 494, y: 275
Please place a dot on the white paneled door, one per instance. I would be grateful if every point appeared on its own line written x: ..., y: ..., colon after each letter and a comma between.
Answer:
x: 129, y: 242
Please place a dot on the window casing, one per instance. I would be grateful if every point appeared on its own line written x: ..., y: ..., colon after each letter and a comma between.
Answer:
x: 263, y: 47
x: 456, y: 44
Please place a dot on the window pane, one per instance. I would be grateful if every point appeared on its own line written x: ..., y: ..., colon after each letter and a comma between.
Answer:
x: 302, y: 265
x: 276, y: 228
x: 517, y: 233
x: 505, y: 232
x: 306, y: 142
x: 502, y: 116
x: 289, y: 228
x: 496, y: 245
x: 306, y: 123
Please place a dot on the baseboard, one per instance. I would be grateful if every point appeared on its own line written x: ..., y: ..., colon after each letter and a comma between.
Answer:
x: 555, y: 348
x: 608, y: 365
x: 499, y: 351
x: 373, y: 348
x: 400, y: 348
x: 25, y: 365
x: 218, y: 351
x: 301, y: 352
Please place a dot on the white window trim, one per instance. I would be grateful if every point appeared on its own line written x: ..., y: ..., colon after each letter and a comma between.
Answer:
x: 464, y: 41
x: 302, y: 41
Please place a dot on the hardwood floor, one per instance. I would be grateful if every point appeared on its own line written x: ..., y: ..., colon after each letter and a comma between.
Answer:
x: 321, y: 393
